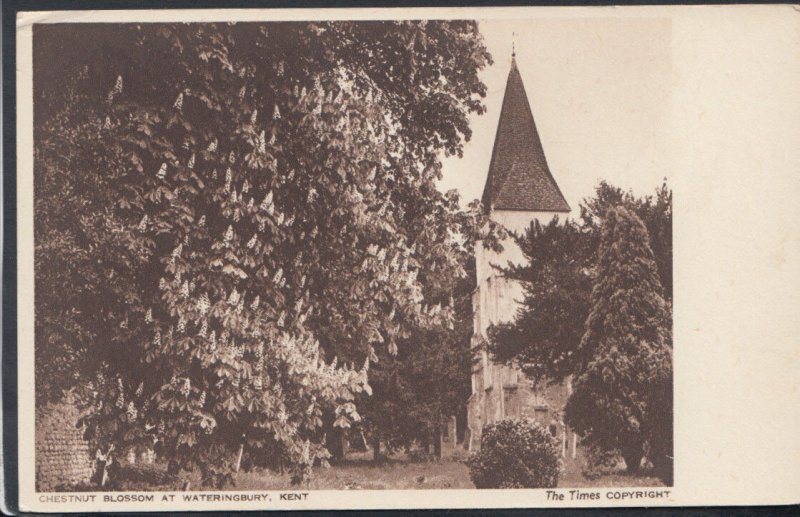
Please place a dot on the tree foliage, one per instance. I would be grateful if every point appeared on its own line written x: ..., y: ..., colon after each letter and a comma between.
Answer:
x: 622, y: 397
x: 557, y: 279
x: 654, y: 210
x: 556, y: 282
x: 428, y: 380
x: 234, y: 220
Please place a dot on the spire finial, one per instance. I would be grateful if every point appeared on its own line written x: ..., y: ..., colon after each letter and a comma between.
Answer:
x: 513, y: 50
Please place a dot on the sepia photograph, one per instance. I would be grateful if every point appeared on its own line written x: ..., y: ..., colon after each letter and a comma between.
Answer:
x: 274, y: 256
x: 256, y: 265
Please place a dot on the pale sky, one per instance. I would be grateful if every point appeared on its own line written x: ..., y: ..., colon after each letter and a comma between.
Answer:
x: 599, y: 89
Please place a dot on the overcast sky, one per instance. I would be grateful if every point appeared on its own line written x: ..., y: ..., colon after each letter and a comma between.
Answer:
x: 599, y: 90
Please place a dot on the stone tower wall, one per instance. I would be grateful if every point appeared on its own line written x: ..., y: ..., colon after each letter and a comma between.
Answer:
x: 62, y: 455
x: 500, y: 391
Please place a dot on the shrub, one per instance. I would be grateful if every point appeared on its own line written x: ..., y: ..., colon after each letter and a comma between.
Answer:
x: 515, y: 454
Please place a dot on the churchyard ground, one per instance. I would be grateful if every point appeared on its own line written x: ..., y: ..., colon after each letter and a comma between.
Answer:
x: 359, y: 472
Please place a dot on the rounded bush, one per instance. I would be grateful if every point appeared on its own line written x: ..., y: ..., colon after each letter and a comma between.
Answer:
x: 515, y: 454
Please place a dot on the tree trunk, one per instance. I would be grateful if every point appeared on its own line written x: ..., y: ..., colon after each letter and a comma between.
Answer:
x: 633, y: 458
x: 102, y: 464
x: 461, y: 425
x: 574, y: 445
x: 437, y: 443
x: 376, y: 448
x: 104, y: 476
x: 239, y: 457
x: 335, y: 444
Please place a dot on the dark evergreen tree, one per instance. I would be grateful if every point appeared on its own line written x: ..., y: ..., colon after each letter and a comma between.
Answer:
x: 654, y: 210
x: 557, y: 278
x: 622, y: 395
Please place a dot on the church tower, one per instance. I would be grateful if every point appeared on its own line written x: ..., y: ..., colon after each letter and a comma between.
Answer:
x: 519, y: 189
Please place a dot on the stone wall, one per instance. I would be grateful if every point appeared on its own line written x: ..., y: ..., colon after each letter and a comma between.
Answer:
x: 501, y: 391
x: 511, y: 395
x: 62, y: 455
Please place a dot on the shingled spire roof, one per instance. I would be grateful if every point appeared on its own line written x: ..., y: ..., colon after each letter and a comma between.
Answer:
x: 519, y: 178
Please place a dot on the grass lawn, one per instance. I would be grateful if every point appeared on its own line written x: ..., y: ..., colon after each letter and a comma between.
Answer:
x: 398, y: 472
x: 359, y: 472
x: 573, y: 476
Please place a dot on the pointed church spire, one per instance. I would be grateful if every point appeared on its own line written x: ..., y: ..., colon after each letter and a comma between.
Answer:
x: 519, y: 178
